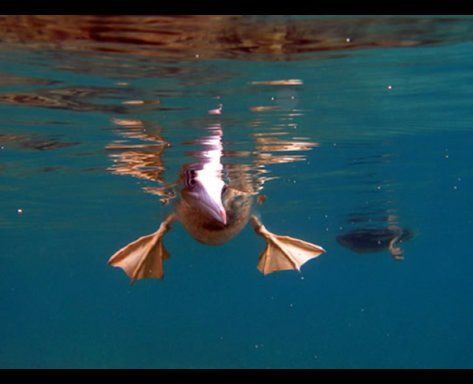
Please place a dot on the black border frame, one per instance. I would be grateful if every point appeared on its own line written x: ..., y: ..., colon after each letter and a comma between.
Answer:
x: 240, y: 376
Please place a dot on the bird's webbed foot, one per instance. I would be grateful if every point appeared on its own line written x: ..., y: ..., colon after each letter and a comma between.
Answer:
x: 143, y: 258
x: 283, y: 252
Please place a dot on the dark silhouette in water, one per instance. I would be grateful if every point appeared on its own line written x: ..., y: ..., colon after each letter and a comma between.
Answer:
x: 213, y: 211
x: 366, y: 240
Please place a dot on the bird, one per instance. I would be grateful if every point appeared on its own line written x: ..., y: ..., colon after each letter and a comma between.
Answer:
x: 366, y: 240
x: 213, y: 210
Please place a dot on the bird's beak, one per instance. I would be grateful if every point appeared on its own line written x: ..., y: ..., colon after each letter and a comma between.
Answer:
x: 211, y: 201
x: 223, y: 216
x: 216, y: 209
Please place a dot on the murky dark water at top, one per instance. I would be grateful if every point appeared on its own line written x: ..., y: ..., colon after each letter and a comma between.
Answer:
x: 352, y: 133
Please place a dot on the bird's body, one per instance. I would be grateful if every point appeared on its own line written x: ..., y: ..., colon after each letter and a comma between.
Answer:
x: 205, y: 228
x: 213, y: 211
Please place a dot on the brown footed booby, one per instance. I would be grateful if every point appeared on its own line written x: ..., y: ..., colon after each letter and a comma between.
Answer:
x: 213, y: 211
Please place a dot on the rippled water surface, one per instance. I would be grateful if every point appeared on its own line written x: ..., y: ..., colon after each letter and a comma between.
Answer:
x: 355, y: 134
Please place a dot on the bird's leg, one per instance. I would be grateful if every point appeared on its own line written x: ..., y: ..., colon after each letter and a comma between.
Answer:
x: 283, y: 252
x: 143, y: 258
x: 393, y: 247
x: 395, y: 250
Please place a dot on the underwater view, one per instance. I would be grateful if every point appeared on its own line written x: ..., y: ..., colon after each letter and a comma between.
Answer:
x: 236, y: 191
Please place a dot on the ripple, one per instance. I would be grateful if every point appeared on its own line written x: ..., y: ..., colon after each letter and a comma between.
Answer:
x: 236, y: 37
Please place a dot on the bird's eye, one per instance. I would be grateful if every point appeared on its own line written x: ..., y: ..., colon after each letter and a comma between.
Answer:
x: 224, y: 189
x: 190, y: 179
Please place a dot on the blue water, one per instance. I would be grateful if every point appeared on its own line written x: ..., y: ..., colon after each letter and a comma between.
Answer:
x: 393, y: 128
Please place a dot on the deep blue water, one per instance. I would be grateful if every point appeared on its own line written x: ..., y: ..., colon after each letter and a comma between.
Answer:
x: 394, y: 132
